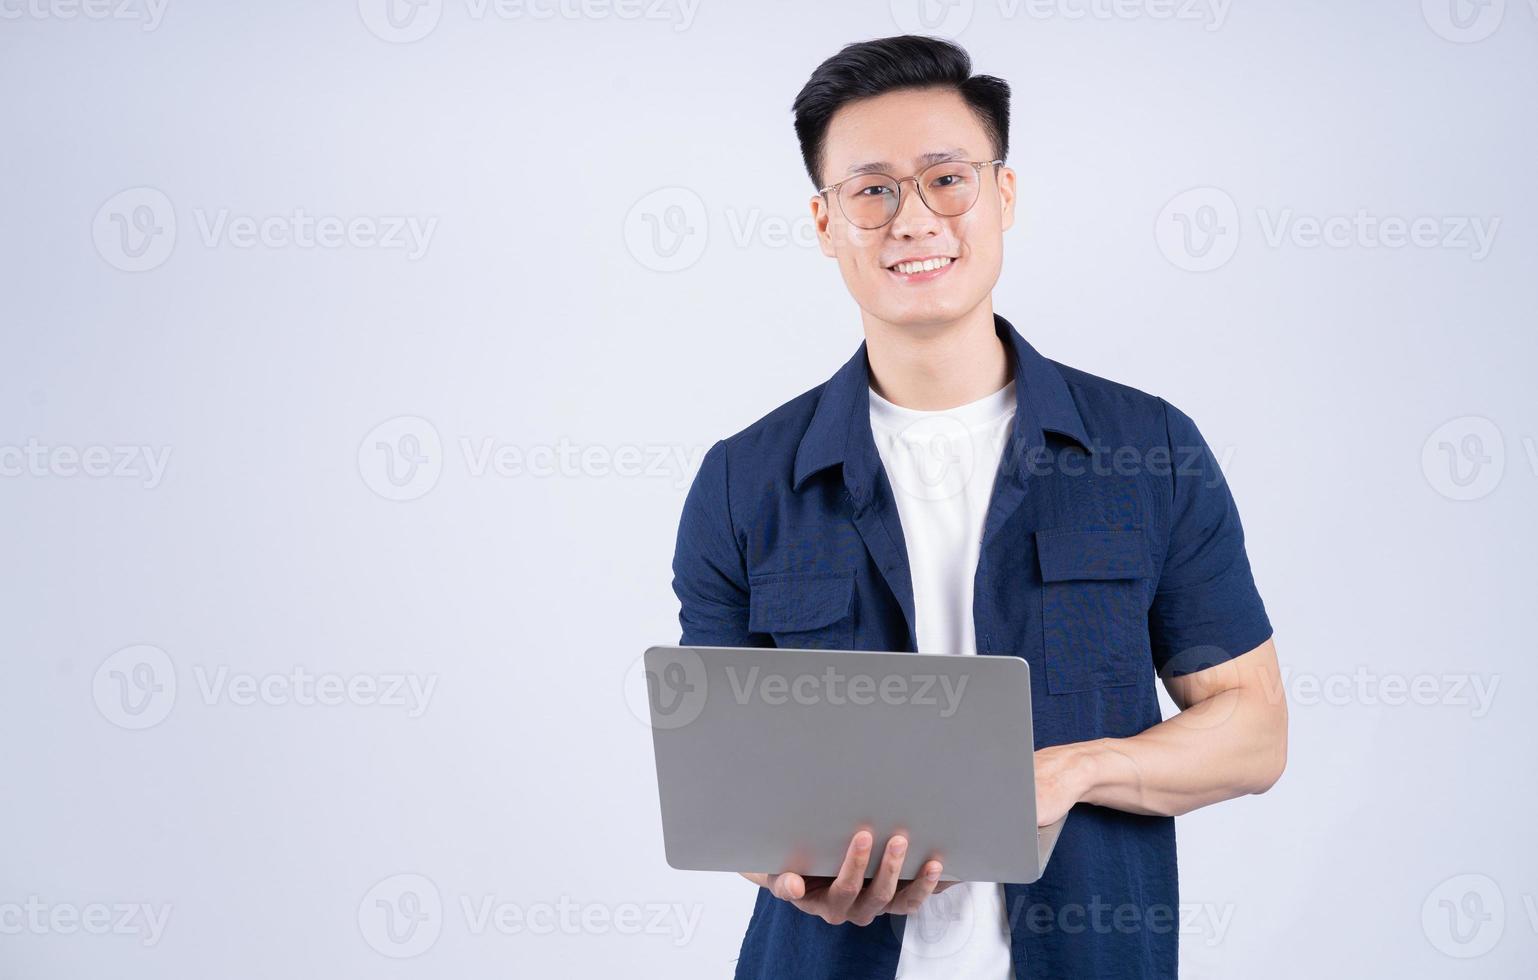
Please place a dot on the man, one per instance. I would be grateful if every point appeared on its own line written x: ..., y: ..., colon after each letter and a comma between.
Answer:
x: 950, y: 490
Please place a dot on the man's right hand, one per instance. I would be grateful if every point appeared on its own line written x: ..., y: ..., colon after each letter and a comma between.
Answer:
x: 843, y: 899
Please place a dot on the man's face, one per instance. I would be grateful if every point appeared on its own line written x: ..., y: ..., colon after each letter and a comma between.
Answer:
x: 902, y: 132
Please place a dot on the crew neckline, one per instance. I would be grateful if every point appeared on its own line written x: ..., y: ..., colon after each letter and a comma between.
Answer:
x: 989, y: 408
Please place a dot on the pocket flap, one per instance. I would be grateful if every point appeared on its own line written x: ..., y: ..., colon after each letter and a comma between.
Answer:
x: 784, y: 603
x: 1069, y: 553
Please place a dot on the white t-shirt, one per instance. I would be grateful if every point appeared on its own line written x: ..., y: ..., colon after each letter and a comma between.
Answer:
x: 941, y: 466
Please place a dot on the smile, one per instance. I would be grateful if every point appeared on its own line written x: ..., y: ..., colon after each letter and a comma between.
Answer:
x: 915, y: 270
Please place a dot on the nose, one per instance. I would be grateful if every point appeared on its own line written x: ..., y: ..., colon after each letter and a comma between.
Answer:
x: 913, y: 218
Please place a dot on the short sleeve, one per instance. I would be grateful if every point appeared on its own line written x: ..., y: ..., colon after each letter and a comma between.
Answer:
x: 1206, y: 608
x: 709, y: 575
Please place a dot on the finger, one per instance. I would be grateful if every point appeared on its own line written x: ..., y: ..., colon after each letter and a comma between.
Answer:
x: 912, y: 895
x: 883, y: 886
x: 851, y: 876
x: 788, y: 886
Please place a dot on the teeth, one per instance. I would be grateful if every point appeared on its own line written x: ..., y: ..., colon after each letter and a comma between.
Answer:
x: 909, y: 268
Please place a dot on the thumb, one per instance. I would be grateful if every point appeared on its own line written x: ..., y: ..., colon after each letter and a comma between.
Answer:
x: 789, y: 886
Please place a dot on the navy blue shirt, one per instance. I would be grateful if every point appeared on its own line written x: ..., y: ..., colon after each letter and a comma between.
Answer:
x: 1111, y: 551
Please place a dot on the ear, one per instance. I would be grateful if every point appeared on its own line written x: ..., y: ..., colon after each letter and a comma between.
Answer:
x: 1006, y: 183
x: 822, y: 215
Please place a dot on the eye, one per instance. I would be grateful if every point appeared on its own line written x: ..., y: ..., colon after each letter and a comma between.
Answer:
x: 875, y: 190
x: 949, y: 180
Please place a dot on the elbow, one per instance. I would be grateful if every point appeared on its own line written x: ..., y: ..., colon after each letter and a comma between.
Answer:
x: 1271, y: 759
x: 1270, y: 771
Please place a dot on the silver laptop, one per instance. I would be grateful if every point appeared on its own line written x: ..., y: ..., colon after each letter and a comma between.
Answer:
x: 771, y: 759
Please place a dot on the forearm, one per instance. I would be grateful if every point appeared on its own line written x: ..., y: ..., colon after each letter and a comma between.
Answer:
x: 1231, y: 744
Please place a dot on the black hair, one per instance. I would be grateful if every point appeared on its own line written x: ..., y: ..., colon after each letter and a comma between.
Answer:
x: 870, y: 68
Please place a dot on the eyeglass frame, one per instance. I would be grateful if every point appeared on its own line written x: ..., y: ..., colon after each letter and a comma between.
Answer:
x: 976, y: 165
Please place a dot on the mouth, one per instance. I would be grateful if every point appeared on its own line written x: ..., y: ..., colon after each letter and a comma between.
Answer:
x: 922, y: 269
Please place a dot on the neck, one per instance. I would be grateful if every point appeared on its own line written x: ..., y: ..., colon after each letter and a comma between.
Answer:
x: 935, y: 367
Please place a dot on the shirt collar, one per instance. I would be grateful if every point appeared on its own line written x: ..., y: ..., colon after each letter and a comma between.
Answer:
x: 840, y: 428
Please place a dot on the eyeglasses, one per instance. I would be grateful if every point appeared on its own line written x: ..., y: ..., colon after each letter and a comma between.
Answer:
x: 948, y: 188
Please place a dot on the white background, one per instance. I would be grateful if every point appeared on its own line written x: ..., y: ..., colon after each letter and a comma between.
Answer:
x: 618, y: 257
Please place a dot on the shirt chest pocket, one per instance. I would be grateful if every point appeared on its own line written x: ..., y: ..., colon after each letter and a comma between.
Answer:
x: 804, y: 610
x: 1094, y: 607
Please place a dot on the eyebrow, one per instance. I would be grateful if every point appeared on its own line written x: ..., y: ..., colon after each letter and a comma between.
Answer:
x: 882, y: 167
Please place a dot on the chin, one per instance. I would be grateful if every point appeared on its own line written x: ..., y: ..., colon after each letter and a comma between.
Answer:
x: 933, y: 313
